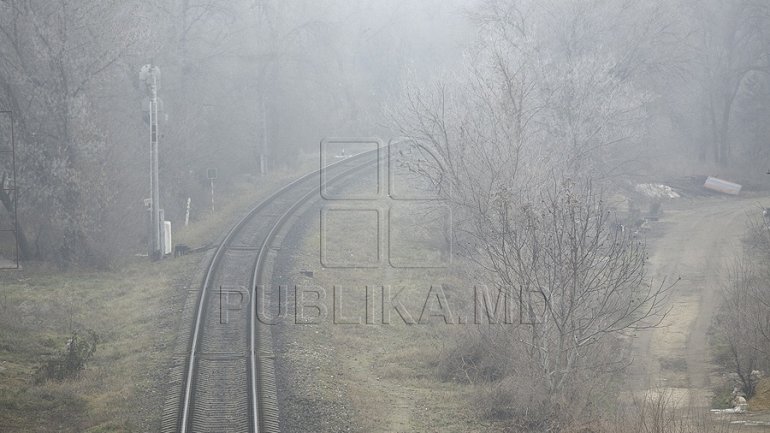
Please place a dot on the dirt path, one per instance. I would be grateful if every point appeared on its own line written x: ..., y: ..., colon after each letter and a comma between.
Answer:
x: 700, y: 239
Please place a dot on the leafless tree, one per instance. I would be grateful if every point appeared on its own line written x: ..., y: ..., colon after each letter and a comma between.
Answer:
x: 580, y: 278
x: 731, y: 47
x: 742, y: 325
x: 523, y: 151
x: 53, y: 55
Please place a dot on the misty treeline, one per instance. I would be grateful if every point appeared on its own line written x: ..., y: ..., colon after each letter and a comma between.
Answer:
x: 562, y: 105
x: 609, y: 86
x: 240, y: 79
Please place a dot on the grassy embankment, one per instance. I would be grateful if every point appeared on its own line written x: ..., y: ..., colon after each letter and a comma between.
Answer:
x: 381, y: 378
x: 135, y: 310
x: 377, y: 378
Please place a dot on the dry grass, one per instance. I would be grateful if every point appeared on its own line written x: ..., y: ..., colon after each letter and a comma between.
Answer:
x: 761, y: 400
x: 230, y: 206
x: 135, y: 309
x: 382, y: 375
x: 132, y: 309
x: 390, y: 378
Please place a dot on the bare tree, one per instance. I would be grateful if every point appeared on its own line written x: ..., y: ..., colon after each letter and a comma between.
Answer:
x: 523, y: 151
x: 742, y: 325
x: 731, y: 48
x: 580, y: 278
x: 53, y: 54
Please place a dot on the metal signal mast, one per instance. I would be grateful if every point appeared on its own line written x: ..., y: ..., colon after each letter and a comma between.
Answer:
x: 151, y: 76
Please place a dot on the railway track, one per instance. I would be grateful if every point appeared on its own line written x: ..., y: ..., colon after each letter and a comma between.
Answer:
x: 228, y: 383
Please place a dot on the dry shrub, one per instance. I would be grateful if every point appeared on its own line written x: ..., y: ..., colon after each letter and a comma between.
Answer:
x: 510, y: 387
x: 474, y: 357
x: 761, y: 400
x: 659, y: 413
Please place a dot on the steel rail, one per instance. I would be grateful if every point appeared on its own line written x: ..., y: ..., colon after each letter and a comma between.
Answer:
x: 189, y: 378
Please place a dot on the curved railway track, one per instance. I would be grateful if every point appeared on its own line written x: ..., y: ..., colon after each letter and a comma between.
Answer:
x: 229, y: 384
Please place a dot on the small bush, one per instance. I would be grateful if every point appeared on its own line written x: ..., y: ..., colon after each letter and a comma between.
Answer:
x: 660, y: 413
x: 722, y: 397
x: 524, y: 408
x: 69, y: 362
x: 478, y: 356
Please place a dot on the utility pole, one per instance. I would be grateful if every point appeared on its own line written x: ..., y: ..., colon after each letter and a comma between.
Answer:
x: 211, y: 174
x: 151, y: 76
x: 263, y: 149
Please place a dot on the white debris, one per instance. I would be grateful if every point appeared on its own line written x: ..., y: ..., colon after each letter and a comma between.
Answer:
x: 740, y: 405
x: 732, y: 410
x: 751, y: 423
x: 656, y: 190
x: 723, y: 186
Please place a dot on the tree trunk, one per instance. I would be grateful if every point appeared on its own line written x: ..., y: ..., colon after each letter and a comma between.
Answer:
x: 8, y: 203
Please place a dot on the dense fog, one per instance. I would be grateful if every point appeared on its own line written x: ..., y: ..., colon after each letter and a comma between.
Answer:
x: 654, y: 87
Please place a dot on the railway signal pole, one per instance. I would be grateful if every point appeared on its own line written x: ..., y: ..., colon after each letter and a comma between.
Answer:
x: 151, y: 76
x: 211, y: 174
